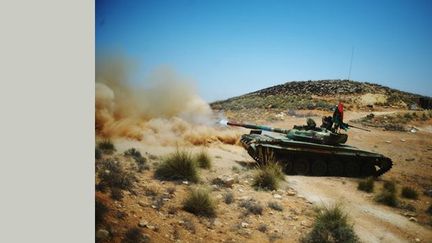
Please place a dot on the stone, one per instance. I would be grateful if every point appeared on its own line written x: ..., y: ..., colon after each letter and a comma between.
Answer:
x: 244, y: 224
x: 102, y: 234
x: 388, y: 141
x: 277, y: 196
x: 185, y: 182
x: 409, y: 159
x: 291, y: 193
x: 403, y: 140
x: 143, y: 223
x: 417, y: 240
x: 412, y: 219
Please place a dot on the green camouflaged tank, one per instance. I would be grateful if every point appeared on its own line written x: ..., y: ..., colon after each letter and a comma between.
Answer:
x: 313, y: 151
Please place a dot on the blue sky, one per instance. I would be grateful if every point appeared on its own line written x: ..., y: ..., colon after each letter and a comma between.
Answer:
x: 233, y: 47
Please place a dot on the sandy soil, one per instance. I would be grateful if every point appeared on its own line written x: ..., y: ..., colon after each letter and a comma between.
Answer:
x: 412, y: 158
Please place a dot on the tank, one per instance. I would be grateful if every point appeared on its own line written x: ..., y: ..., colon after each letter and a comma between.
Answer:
x: 315, y: 151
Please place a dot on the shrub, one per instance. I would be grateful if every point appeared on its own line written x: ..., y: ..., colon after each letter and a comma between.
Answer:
x: 275, y: 206
x: 113, y: 175
x: 366, y: 185
x: 139, y: 159
x: 267, y: 176
x: 251, y: 206
x: 199, y: 202
x: 134, y: 235
x: 178, y: 166
x: 100, y: 210
x: 229, y: 198
x: 388, y: 198
x: 203, y: 160
x: 133, y: 152
x: 331, y: 225
x: 262, y: 228
x: 116, y: 193
x: 390, y: 186
x: 98, y: 153
x: 107, y: 146
x: 408, y: 192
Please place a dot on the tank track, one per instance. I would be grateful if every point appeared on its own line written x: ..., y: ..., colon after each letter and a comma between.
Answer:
x: 322, y: 162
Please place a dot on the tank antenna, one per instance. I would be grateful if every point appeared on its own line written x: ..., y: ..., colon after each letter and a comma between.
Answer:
x: 352, y: 55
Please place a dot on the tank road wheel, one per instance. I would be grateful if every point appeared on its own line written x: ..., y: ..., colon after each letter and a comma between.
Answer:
x: 368, y: 169
x: 352, y: 168
x: 319, y: 167
x: 335, y: 167
x: 301, y: 166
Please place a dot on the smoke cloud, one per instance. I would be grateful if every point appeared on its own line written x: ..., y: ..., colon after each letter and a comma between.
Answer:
x: 165, y: 110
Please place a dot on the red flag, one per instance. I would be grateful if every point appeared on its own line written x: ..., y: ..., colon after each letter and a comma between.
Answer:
x: 340, y: 109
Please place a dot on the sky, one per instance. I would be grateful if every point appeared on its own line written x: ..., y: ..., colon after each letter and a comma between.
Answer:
x: 230, y: 48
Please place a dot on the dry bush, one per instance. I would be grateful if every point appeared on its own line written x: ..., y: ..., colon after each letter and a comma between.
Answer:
x: 203, y: 160
x: 98, y: 153
x: 251, y: 206
x: 275, y: 206
x: 116, y: 193
x: 113, y: 175
x: 134, y: 235
x: 268, y: 176
x: 366, y: 185
x: 107, y: 146
x: 200, y: 203
x: 229, y: 198
x: 139, y: 159
x: 178, y: 166
x: 100, y: 211
x: 408, y: 192
x: 331, y: 225
x: 388, y: 195
x: 390, y: 186
x: 263, y: 228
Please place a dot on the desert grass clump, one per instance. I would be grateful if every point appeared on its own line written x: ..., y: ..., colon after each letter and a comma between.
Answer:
x: 139, y: 159
x: 390, y: 186
x: 116, y: 193
x: 251, y: 206
x: 268, y: 176
x: 98, y: 153
x: 100, y: 211
x: 229, y: 198
x: 366, y: 185
x: 331, y: 225
x: 134, y: 235
x: 112, y: 175
x: 388, y: 195
x: 200, y: 203
x: 106, y: 146
x: 275, y: 206
x: 203, y: 160
x: 408, y: 192
x: 179, y: 165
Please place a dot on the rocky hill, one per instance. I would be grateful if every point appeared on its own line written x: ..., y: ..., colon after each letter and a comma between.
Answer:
x: 322, y: 94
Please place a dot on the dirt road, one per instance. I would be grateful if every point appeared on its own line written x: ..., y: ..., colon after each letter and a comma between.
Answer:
x: 372, y: 222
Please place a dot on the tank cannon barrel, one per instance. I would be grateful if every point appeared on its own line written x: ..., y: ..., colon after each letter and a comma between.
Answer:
x: 259, y: 127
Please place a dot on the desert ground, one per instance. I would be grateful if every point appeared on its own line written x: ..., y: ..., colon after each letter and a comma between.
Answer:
x: 155, y: 205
